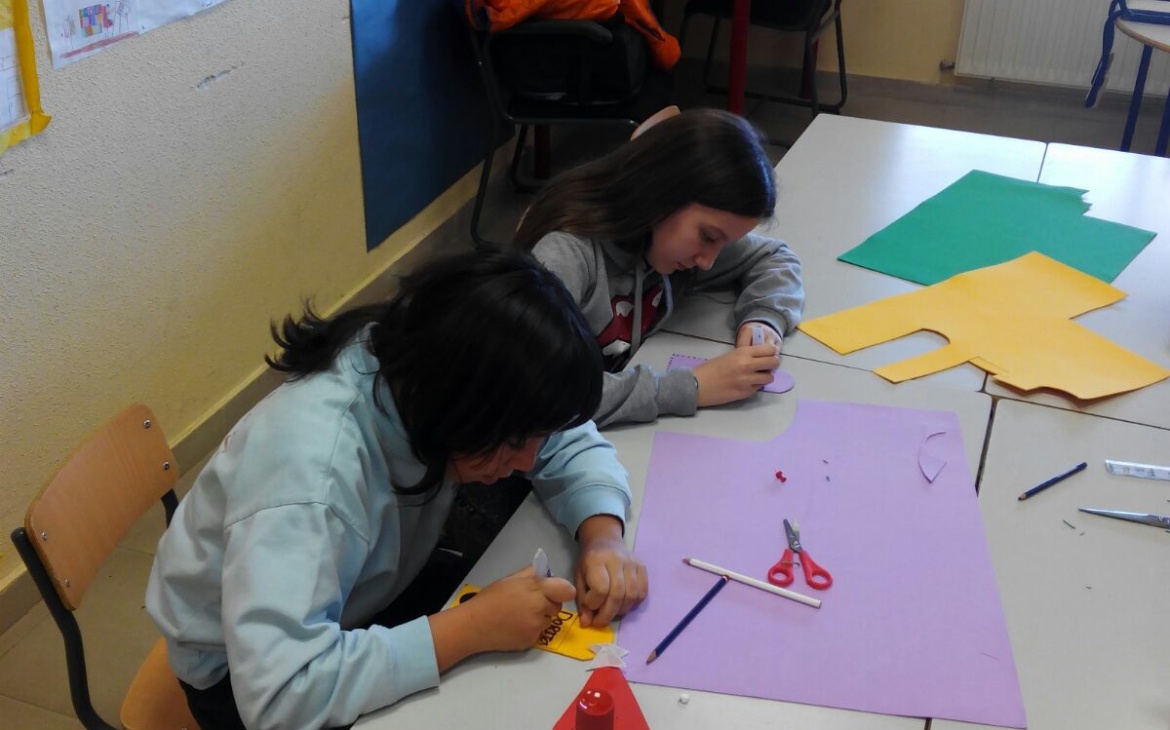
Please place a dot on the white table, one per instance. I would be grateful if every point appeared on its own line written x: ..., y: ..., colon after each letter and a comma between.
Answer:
x: 1085, y: 605
x: 532, y: 689
x: 844, y: 180
x: 1135, y: 190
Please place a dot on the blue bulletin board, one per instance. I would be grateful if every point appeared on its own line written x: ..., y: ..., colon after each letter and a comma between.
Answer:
x: 422, y: 116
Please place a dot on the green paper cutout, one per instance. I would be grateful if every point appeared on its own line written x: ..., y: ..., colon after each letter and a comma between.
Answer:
x: 985, y: 219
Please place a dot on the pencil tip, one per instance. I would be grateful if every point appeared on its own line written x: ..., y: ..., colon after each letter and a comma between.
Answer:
x: 1022, y: 497
x: 652, y: 657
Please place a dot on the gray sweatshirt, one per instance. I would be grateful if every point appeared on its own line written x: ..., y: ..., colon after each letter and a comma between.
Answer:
x: 625, y: 301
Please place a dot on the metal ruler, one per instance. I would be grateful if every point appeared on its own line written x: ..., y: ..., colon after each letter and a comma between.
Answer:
x: 1130, y: 469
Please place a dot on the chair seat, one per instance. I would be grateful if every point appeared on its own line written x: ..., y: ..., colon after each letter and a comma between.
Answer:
x: 654, y: 94
x: 155, y: 701
x: 777, y: 14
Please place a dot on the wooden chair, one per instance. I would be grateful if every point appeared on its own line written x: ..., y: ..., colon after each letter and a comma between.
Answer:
x: 70, y: 529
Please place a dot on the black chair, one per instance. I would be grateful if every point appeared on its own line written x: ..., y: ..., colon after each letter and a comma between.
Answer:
x: 560, y: 73
x: 809, y: 17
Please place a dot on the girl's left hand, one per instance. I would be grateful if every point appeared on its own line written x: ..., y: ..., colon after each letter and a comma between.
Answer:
x: 743, y: 337
x: 610, y: 580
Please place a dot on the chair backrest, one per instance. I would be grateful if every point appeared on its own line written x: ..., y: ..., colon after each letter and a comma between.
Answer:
x: 96, y: 497
x: 81, y: 514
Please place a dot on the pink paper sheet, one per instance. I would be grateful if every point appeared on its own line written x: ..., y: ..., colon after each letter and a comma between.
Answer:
x: 782, y: 383
x: 912, y: 624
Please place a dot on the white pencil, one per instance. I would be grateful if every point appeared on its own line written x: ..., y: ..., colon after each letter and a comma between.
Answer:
x: 740, y: 578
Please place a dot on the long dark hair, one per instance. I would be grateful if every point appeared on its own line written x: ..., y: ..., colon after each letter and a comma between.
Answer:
x: 704, y: 156
x: 479, y: 350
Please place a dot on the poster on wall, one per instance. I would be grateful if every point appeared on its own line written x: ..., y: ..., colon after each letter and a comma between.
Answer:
x: 80, y: 28
x: 20, y: 102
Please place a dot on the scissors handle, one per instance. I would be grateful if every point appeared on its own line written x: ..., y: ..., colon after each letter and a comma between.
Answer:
x: 781, y: 574
x: 816, y: 576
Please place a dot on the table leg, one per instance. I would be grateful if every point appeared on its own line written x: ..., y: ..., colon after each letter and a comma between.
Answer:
x: 1135, y: 102
x: 1164, y: 130
x: 740, y: 15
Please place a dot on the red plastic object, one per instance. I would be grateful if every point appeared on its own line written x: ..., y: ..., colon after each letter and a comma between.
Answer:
x: 594, y: 710
x: 624, y: 712
x: 781, y: 477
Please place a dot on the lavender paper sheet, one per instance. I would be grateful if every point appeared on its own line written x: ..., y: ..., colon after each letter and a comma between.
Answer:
x: 912, y: 624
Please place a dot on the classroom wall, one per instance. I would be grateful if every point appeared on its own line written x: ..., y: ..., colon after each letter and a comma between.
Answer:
x: 193, y: 183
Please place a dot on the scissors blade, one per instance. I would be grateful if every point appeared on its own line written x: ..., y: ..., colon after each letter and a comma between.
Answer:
x: 1144, y: 518
x: 792, y: 535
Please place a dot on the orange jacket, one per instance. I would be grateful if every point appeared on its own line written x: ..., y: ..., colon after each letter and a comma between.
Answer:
x: 503, y: 14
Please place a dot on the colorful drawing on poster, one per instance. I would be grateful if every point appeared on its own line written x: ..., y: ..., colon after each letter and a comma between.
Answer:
x: 80, y: 28
x: 20, y: 99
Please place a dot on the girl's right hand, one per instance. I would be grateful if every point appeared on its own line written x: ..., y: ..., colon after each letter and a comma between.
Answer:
x: 516, y: 609
x: 736, y: 375
x: 508, y: 615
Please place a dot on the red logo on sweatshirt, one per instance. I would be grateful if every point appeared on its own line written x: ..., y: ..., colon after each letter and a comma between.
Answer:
x: 615, y: 339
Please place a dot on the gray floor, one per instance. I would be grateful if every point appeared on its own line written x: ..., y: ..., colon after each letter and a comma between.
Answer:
x: 33, y: 689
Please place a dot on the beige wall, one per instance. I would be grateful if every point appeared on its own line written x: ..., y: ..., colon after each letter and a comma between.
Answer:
x: 193, y: 183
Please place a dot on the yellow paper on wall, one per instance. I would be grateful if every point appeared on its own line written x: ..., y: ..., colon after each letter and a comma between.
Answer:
x: 1012, y: 320
x: 21, y: 115
x: 565, y: 635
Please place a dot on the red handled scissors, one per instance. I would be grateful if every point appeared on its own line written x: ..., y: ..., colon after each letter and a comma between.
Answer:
x: 781, y: 573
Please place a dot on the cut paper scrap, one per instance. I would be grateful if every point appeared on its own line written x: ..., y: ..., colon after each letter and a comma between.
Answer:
x: 985, y: 219
x: 913, y: 624
x: 607, y: 689
x: 930, y: 463
x: 782, y: 382
x: 1012, y: 320
x: 607, y: 655
x: 565, y: 635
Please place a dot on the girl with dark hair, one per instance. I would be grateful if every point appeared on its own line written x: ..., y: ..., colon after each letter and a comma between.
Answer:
x: 327, y: 499
x: 666, y: 214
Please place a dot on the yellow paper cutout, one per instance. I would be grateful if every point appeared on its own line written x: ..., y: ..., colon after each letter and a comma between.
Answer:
x: 565, y: 635
x: 1012, y: 320
x: 14, y: 15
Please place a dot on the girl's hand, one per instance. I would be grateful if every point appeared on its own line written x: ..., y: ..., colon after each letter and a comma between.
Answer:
x: 736, y: 375
x: 610, y: 580
x: 508, y: 615
x: 743, y: 337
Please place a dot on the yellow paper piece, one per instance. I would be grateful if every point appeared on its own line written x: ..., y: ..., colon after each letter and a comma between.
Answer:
x: 565, y: 635
x: 1012, y: 320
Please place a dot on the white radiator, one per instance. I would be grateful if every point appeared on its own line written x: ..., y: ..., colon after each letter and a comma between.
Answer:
x: 1055, y: 42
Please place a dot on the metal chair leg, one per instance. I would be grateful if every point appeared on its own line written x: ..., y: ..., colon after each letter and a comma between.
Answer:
x: 481, y: 193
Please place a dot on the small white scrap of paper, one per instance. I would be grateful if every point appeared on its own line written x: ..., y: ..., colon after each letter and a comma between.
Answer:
x: 540, y: 564
x: 606, y: 655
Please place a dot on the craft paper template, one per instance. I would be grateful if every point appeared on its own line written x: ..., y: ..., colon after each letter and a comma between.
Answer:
x: 565, y: 635
x: 985, y: 219
x: 912, y: 624
x: 1011, y: 320
x: 782, y: 382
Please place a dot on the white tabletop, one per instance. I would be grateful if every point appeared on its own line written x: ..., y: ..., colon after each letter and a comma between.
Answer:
x: 533, y: 689
x: 1151, y: 34
x: 1085, y: 605
x: 1131, y: 189
x: 844, y: 180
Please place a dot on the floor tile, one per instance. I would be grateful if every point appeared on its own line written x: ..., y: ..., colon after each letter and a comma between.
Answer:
x: 21, y: 716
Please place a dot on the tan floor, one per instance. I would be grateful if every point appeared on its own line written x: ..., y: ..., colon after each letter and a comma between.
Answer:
x: 33, y: 688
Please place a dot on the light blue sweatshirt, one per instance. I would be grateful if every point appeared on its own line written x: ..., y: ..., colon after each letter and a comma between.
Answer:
x: 292, y: 535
